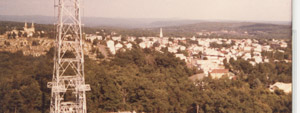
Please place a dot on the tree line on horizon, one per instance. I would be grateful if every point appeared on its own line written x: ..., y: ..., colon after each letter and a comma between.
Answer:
x: 254, y: 30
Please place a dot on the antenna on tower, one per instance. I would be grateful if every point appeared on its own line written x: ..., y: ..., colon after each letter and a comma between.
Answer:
x: 68, y: 86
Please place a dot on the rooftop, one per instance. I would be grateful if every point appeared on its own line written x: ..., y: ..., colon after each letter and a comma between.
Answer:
x: 220, y: 71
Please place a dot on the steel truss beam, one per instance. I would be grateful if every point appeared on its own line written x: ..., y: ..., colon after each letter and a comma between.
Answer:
x: 68, y: 73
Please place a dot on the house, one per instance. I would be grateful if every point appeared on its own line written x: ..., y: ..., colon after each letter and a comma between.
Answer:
x: 111, y: 46
x: 228, y: 41
x: 258, y: 48
x: 256, y: 53
x: 211, y: 52
x: 129, y: 46
x: 218, y: 73
x: 266, y: 60
x: 92, y: 38
x: 118, y: 46
x: 193, y: 38
x: 207, y: 65
x: 196, y: 77
x: 247, y: 56
x: 247, y: 49
x: 181, y: 57
x: 248, y: 41
x: 266, y: 48
x: 116, y: 38
x: 182, y: 48
x: 281, y: 51
x: 131, y: 39
x: 203, y: 43
x: 149, y: 44
x: 234, y: 47
x: 258, y: 59
x: 142, y: 45
x: 197, y: 48
x: 252, y: 63
x: 283, y: 44
x: 172, y: 49
x: 286, y: 87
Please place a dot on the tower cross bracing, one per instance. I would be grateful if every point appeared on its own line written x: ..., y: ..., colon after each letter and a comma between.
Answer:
x: 68, y: 84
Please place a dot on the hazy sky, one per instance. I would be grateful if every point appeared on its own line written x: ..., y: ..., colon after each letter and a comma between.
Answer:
x: 258, y: 10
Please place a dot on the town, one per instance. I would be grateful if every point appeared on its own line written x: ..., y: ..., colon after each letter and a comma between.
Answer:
x: 207, y: 55
x: 148, y: 56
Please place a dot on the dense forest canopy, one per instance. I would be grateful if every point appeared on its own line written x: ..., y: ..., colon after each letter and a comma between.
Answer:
x: 145, y: 80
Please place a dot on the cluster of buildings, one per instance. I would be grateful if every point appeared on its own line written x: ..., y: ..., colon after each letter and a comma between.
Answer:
x: 35, y: 47
x: 29, y: 31
x: 198, y: 51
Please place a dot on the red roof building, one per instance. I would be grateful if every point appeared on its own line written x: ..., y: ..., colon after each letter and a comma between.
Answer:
x: 218, y: 73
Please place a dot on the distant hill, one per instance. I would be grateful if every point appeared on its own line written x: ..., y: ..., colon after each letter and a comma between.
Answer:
x: 33, y: 18
x: 230, y: 30
x: 117, y: 22
x: 100, y: 21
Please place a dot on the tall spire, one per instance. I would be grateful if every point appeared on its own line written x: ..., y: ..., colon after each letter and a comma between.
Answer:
x: 25, y: 26
x: 161, y: 33
x: 32, y: 25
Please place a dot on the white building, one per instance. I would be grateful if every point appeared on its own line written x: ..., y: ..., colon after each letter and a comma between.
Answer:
x: 181, y: 57
x: 258, y: 48
x: 111, y: 46
x: 129, y: 46
x: 172, y: 49
x: 247, y: 56
x: 266, y: 48
x: 118, y: 46
x: 142, y: 45
x: 247, y: 48
x: 182, y: 48
x: 286, y: 87
x: 30, y: 30
x: 116, y: 38
x: 92, y: 38
x: 283, y: 45
x: 258, y: 59
x: 207, y: 65
x: 219, y: 73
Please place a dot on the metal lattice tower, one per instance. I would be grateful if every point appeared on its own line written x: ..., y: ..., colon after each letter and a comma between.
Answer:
x: 68, y: 85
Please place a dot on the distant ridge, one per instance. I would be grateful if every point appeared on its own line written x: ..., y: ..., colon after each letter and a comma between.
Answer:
x: 120, y: 22
x: 33, y: 18
x: 100, y: 21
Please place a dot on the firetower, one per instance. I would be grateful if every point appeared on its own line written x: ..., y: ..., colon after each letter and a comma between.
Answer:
x: 68, y: 86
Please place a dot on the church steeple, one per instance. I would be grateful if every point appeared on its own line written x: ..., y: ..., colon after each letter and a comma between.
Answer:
x: 32, y: 25
x: 25, y: 26
x: 161, y: 33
